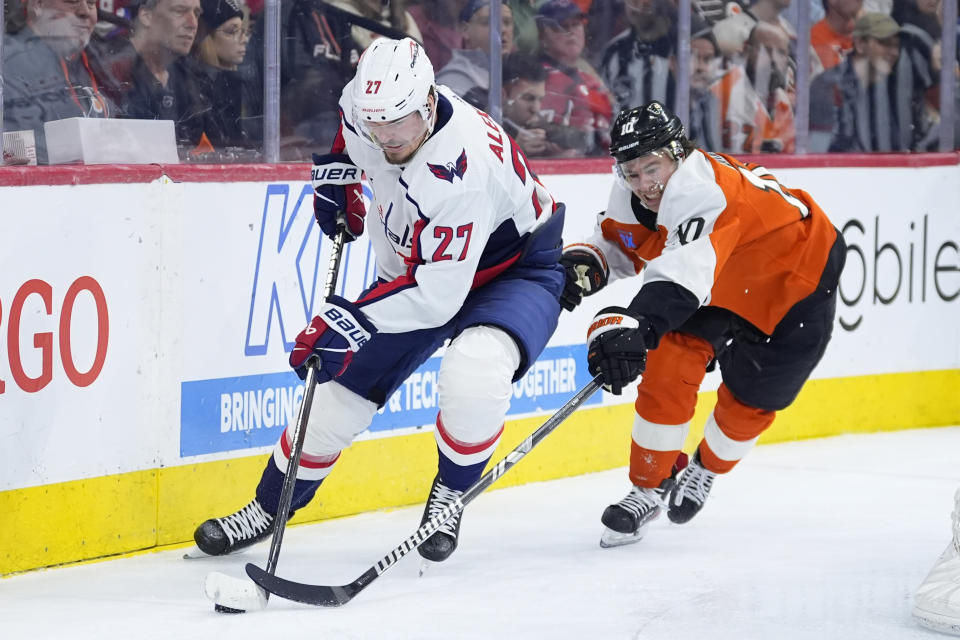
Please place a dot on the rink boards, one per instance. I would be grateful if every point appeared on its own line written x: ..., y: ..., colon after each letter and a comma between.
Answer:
x: 145, y: 327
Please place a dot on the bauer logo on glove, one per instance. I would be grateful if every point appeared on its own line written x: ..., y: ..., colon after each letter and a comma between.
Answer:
x: 334, y: 173
x: 337, y: 195
x: 344, y: 325
x: 333, y: 336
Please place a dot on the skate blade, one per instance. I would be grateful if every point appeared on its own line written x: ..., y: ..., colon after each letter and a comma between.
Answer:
x: 424, y: 566
x: 610, y: 538
x: 194, y: 553
x: 942, y: 623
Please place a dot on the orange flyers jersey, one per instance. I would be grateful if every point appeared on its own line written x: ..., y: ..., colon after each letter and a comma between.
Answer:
x: 727, y: 232
x: 744, y: 119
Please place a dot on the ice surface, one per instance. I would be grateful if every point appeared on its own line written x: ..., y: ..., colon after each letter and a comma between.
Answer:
x: 817, y: 539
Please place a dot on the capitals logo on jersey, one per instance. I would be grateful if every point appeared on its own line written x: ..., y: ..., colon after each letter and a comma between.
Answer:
x: 450, y: 170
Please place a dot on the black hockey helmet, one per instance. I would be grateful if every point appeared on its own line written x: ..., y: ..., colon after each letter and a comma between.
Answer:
x: 640, y: 130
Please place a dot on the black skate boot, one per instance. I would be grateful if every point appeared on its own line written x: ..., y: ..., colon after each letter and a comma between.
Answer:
x: 626, y: 521
x: 443, y: 542
x: 691, y: 491
x: 220, y: 536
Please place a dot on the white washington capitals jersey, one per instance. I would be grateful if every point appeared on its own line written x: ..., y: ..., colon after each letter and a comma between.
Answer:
x: 452, y: 218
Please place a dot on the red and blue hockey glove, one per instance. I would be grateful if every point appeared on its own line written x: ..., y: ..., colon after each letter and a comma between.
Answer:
x: 585, y: 276
x: 338, y: 331
x: 337, y: 194
x: 616, y: 349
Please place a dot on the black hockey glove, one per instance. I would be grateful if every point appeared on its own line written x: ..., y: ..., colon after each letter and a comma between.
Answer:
x: 584, y: 277
x: 616, y: 349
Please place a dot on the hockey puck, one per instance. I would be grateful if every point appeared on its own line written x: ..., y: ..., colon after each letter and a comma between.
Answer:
x: 219, y: 608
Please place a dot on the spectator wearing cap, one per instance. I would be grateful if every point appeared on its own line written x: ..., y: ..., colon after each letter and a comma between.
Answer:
x: 576, y: 97
x: 219, y: 49
x: 468, y: 72
x: 832, y: 37
x: 47, y: 73
x: 637, y: 64
x: 853, y: 106
x: 438, y: 22
x: 159, y: 81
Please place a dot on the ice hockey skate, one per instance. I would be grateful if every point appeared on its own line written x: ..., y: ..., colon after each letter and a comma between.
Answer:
x: 626, y: 521
x: 443, y: 542
x: 937, y: 603
x: 690, y: 492
x: 222, y: 536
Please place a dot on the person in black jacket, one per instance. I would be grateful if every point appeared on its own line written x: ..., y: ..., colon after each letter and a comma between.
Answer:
x: 156, y: 81
x: 220, y: 47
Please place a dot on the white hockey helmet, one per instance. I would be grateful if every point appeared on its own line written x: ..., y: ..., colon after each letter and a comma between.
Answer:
x: 393, y: 79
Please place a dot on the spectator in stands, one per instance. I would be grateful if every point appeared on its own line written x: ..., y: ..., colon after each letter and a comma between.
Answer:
x: 832, y: 37
x: 318, y: 56
x: 637, y: 65
x: 468, y: 72
x: 524, y: 88
x: 562, y: 25
x: 576, y: 96
x: 220, y: 47
x: 915, y: 81
x: 157, y: 81
x: 921, y: 13
x: 526, y: 35
x: 853, y: 107
x: 704, y: 123
x: 14, y: 16
x: 438, y: 22
x: 605, y: 19
x: 732, y: 32
x: 524, y: 85
x: 47, y: 74
x: 771, y: 12
x: 755, y: 111
x: 391, y: 13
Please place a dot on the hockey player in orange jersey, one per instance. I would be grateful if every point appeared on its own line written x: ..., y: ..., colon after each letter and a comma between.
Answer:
x: 737, y: 270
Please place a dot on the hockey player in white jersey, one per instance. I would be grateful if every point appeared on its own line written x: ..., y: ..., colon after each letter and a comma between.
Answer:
x: 467, y: 243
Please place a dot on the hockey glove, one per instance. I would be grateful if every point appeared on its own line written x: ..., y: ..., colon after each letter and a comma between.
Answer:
x: 337, y: 194
x: 584, y: 277
x: 333, y: 336
x: 616, y: 350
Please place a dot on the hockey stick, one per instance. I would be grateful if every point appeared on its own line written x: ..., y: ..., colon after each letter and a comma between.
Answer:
x: 235, y: 596
x: 325, y: 596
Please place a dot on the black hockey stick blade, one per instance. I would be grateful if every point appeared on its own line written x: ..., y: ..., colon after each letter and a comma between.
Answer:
x: 318, y: 595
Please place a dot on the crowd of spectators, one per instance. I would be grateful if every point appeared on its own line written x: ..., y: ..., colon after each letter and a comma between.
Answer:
x: 568, y: 66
